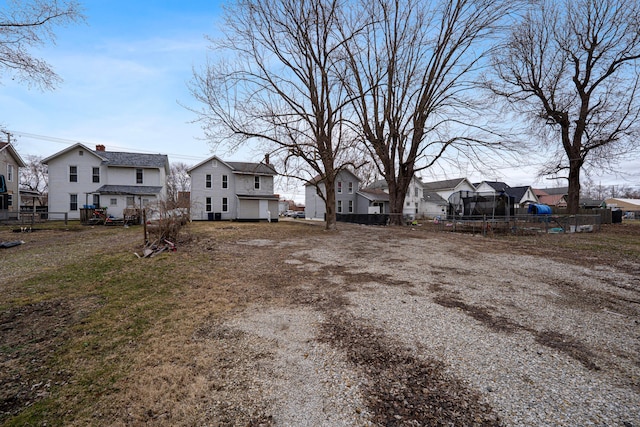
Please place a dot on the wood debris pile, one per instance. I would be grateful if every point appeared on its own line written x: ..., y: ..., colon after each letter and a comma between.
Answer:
x: 156, y: 247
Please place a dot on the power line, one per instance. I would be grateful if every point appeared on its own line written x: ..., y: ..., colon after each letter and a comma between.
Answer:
x: 69, y: 142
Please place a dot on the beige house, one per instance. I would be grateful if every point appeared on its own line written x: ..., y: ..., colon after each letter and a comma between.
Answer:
x: 10, y: 162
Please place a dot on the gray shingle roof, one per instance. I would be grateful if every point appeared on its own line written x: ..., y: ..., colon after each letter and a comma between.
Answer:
x: 432, y: 197
x: 133, y: 190
x: 252, y: 168
x: 115, y: 158
x: 443, y: 185
x: 374, y: 194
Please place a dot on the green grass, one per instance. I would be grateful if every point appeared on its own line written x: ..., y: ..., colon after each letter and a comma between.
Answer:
x: 115, y: 299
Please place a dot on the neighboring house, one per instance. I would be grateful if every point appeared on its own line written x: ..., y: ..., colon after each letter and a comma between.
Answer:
x: 434, y: 205
x: 418, y: 202
x: 240, y: 191
x: 450, y: 186
x: 589, y: 203
x: 372, y: 201
x: 10, y: 162
x: 346, y: 188
x: 80, y: 177
x: 626, y: 205
x: 491, y: 186
x: 552, y: 196
x: 521, y: 197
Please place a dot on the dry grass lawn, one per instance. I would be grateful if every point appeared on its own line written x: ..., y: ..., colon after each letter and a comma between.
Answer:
x: 92, y: 335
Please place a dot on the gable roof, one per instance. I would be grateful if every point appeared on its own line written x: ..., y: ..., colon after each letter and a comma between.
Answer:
x: 448, y: 184
x: 556, y: 190
x: 433, y: 197
x: 373, y: 194
x: 517, y: 193
x: 318, y: 179
x: 120, y: 159
x: 552, y: 199
x: 496, y: 185
x: 252, y: 168
x: 240, y: 167
x: 5, y: 146
x: 139, y: 160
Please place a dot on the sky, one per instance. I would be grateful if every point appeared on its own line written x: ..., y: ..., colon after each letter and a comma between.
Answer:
x: 125, y: 73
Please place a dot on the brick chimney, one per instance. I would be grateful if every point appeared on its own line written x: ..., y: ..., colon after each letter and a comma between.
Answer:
x: 266, y: 158
x: 100, y: 147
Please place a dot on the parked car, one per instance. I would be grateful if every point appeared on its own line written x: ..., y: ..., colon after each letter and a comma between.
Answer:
x: 299, y: 214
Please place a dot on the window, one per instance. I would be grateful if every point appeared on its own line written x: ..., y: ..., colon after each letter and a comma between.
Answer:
x: 207, y: 181
x: 225, y: 181
x: 131, y: 201
x: 80, y: 153
x: 138, y: 176
x: 73, y: 202
x: 96, y: 200
x: 113, y: 202
x: 256, y: 182
x: 416, y: 191
x: 73, y: 174
x: 10, y: 173
x: 350, y: 187
x: 96, y: 174
x: 208, y: 204
x: 339, y: 187
x: 9, y: 199
x: 350, y: 206
x: 225, y: 204
x: 339, y: 206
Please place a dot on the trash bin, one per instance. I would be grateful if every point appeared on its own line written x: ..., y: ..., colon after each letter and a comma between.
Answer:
x: 210, y: 216
x: 616, y: 217
x: 218, y: 216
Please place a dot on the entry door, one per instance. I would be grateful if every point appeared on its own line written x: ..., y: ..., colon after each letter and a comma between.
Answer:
x: 264, y: 207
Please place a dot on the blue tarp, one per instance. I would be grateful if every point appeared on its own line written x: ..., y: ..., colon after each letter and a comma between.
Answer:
x: 538, y: 209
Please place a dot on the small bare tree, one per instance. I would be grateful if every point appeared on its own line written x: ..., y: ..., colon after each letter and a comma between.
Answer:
x: 276, y: 81
x: 411, y: 74
x: 30, y: 24
x: 572, y: 68
x: 178, y: 181
x: 34, y: 177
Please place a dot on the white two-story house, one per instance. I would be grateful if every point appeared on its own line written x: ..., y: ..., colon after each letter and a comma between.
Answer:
x: 80, y: 177
x: 239, y: 191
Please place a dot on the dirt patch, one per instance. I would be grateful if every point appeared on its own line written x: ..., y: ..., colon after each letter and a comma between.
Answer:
x: 30, y: 335
x: 401, y: 390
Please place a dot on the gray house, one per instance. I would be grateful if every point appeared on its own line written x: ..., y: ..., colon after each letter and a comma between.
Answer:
x: 240, y: 191
x: 347, y: 186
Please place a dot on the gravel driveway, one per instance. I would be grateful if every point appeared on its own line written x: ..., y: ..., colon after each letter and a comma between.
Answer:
x: 380, y: 326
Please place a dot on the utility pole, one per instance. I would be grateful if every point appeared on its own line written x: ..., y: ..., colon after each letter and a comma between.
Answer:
x: 8, y: 136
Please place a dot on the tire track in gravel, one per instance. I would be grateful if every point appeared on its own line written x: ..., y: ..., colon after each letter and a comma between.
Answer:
x: 400, y: 390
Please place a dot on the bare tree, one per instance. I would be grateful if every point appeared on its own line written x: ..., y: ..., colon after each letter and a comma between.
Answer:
x: 30, y: 24
x: 178, y: 181
x: 276, y: 81
x: 34, y: 177
x: 572, y: 68
x: 411, y: 75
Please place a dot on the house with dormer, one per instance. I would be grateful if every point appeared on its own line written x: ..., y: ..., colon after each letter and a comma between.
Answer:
x: 239, y: 191
x: 80, y: 177
x: 10, y: 162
